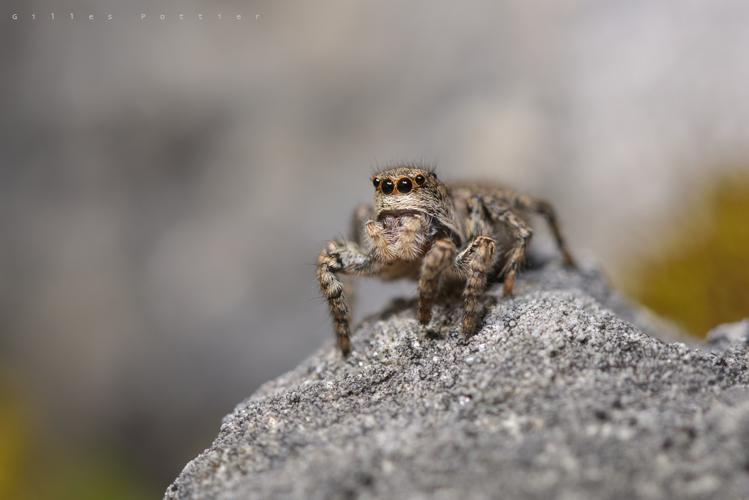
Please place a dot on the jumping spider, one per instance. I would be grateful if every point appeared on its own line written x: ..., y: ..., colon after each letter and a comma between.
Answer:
x: 423, y: 229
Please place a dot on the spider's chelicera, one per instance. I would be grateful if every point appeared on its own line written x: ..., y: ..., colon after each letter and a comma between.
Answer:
x: 439, y: 234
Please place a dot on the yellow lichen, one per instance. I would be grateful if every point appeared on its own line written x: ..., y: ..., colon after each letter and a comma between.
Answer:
x: 700, y: 278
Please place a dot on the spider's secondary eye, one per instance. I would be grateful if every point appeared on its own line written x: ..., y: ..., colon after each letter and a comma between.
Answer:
x: 404, y: 185
x: 376, y: 182
x: 420, y: 179
x: 387, y: 186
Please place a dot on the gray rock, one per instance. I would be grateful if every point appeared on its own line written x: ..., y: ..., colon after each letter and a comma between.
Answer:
x: 560, y: 395
x: 729, y: 335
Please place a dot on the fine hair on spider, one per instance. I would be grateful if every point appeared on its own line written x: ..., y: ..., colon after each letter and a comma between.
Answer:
x: 435, y: 233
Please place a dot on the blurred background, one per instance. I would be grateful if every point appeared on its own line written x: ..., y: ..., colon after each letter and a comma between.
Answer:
x: 166, y: 186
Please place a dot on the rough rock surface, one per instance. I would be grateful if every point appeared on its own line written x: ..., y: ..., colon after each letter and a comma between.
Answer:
x: 729, y: 335
x: 561, y: 395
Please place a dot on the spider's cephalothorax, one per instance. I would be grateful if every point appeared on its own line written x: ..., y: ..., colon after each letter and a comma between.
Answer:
x: 423, y: 229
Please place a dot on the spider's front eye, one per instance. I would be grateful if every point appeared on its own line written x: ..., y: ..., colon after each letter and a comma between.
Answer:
x: 420, y: 180
x: 376, y: 182
x: 404, y: 185
x: 387, y: 186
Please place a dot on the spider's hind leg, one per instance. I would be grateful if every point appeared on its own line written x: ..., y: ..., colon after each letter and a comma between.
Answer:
x: 520, y: 232
x: 546, y: 210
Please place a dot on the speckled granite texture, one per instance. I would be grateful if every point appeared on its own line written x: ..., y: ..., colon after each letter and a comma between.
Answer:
x: 565, y: 393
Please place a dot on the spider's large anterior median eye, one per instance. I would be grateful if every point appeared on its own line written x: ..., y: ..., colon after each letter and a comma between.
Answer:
x: 387, y: 186
x: 376, y: 182
x: 420, y: 179
x: 404, y: 185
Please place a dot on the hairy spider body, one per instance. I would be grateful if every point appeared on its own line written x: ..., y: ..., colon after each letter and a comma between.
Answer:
x: 422, y: 229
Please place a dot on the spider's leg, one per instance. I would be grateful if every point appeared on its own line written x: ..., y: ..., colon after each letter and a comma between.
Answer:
x: 521, y: 232
x: 544, y: 209
x: 363, y: 213
x: 341, y: 257
x: 475, y: 263
x: 436, y: 260
x: 478, y: 222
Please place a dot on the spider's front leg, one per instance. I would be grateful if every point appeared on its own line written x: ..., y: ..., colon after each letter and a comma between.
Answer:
x: 341, y: 257
x: 475, y: 263
x: 358, y: 234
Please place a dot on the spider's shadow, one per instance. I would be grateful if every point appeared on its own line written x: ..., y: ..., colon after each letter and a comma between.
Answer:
x: 448, y: 305
x: 396, y: 306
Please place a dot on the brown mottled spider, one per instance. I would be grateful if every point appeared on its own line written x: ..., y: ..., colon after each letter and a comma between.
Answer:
x: 436, y: 233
